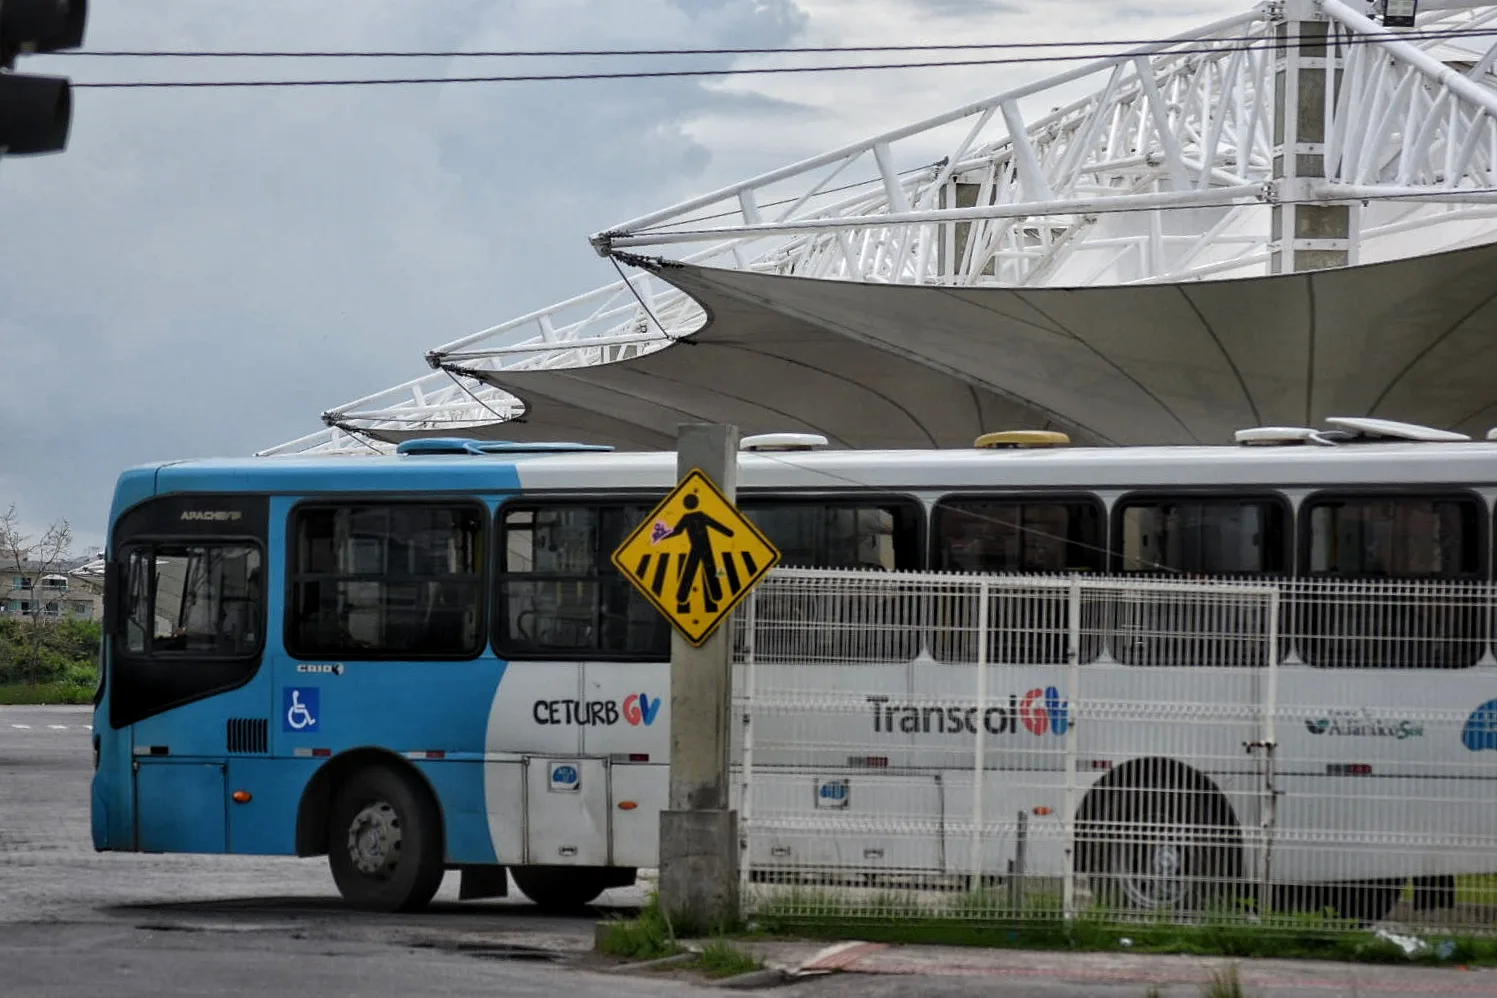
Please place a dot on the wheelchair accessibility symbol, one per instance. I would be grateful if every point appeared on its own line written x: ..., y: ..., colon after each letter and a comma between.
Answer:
x: 300, y: 708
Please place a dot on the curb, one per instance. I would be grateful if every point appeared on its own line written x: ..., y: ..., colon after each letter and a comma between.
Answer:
x: 664, y: 961
x: 769, y: 977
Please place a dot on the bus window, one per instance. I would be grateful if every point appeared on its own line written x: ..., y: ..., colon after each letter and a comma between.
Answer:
x: 1000, y: 535
x: 192, y: 623
x: 840, y: 532
x: 1196, y: 536
x: 859, y: 533
x: 1400, y: 537
x: 559, y: 594
x: 1203, y: 536
x: 204, y: 600
x: 1424, y: 539
x: 402, y: 580
x: 996, y: 535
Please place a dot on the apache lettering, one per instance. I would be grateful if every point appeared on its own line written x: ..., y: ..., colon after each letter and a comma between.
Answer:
x: 212, y: 515
x: 585, y: 713
x: 892, y: 718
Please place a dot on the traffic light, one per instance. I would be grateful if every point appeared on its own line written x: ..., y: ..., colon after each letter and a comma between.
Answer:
x: 36, y: 111
x: 1399, y: 13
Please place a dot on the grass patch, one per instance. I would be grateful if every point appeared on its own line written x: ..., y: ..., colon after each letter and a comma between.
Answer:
x: 719, y: 959
x: 963, y: 922
x: 647, y: 937
x: 1476, y: 888
x: 1470, y: 888
x: 1224, y: 984
x: 650, y: 937
x: 40, y: 694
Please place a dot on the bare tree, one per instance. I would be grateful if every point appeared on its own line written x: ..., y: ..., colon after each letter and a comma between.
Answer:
x: 34, y: 559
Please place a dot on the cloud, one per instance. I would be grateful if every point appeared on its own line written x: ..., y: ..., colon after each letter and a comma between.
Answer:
x: 203, y: 271
x: 962, y: 8
x: 852, y: 106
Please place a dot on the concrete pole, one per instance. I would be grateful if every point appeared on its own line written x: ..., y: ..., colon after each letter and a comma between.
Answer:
x: 1304, y: 236
x: 698, y: 833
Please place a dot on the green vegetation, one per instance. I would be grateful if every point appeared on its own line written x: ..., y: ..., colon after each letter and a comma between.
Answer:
x: 48, y: 661
x: 1470, y: 888
x: 647, y: 937
x: 1475, y: 888
x: 978, y: 921
x: 46, y: 694
x: 1224, y: 984
x: 719, y: 959
x: 650, y: 937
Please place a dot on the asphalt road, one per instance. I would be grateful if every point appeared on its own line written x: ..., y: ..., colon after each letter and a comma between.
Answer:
x: 81, y: 924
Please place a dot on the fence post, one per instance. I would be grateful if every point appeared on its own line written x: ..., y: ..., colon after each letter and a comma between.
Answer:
x: 1270, y: 747
x: 750, y: 620
x: 1021, y: 860
x: 980, y: 748
x: 1073, y: 684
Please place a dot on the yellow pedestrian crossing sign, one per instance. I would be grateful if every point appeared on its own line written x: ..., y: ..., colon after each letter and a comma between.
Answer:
x: 695, y: 557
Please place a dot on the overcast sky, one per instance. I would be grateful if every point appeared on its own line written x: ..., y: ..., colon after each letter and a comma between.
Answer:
x: 202, y: 272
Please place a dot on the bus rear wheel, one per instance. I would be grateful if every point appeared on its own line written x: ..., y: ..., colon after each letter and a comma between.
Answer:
x: 565, y: 888
x: 385, y: 842
x: 1162, y: 849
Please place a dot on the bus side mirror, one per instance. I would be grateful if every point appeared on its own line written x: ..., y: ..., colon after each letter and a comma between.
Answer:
x: 114, y: 594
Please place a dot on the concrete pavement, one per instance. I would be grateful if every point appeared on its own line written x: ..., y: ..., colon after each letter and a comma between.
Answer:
x: 877, y: 969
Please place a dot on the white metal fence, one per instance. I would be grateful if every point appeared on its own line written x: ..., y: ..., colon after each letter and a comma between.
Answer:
x: 1038, y: 746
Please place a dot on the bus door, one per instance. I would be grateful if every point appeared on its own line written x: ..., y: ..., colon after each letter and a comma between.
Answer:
x: 583, y: 705
x: 631, y: 740
x: 188, y: 636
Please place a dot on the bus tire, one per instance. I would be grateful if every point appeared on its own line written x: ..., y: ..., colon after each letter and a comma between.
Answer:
x: 566, y: 888
x: 1162, y: 848
x: 385, y: 841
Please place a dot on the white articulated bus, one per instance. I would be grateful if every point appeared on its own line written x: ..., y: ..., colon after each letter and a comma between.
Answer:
x: 1283, y: 647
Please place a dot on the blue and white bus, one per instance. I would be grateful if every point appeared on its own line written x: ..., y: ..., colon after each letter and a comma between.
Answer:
x: 426, y: 662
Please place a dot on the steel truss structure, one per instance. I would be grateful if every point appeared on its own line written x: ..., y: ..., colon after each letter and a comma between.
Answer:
x: 1180, y: 161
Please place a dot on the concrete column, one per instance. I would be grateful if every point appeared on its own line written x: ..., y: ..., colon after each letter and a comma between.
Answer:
x: 1304, y: 236
x: 698, y: 833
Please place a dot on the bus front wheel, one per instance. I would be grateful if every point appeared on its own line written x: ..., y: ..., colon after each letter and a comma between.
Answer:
x: 385, y: 842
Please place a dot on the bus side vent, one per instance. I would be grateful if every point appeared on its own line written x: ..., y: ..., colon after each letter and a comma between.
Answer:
x: 249, y: 734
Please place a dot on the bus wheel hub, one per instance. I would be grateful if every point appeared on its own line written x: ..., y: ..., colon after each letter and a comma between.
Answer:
x: 1156, y: 880
x: 374, y: 839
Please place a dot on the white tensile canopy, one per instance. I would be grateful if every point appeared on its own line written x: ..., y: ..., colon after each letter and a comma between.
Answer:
x: 1121, y: 251
x: 902, y: 366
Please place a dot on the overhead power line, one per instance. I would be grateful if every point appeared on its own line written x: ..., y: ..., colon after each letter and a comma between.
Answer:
x: 1207, y: 47
x: 1430, y: 34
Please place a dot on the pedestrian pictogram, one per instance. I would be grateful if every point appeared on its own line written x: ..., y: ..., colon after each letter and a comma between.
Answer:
x: 695, y: 557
